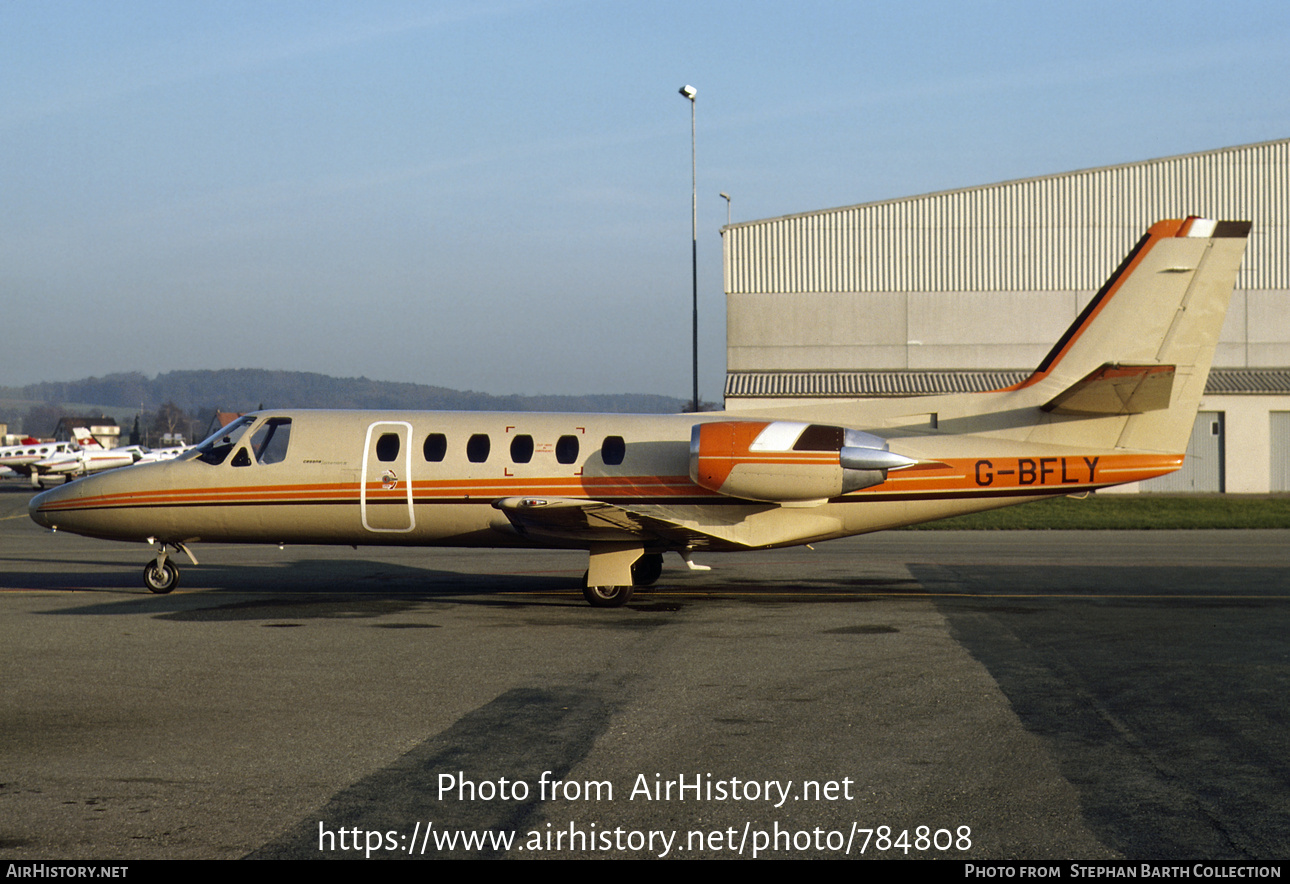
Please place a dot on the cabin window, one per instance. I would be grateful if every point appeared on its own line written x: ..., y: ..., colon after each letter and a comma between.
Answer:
x: 566, y: 449
x: 387, y: 447
x: 477, y: 448
x: 241, y: 459
x: 435, y: 447
x: 522, y: 449
x: 613, y: 450
x: 270, y: 441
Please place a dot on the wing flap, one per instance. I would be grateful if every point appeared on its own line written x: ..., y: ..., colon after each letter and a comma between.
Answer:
x: 566, y: 522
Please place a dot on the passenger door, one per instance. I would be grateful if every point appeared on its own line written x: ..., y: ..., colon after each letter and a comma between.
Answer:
x: 385, y: 498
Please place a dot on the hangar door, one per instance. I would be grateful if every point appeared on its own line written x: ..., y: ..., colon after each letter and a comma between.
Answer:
x: 1280, y: 475
x: 1203, y: 468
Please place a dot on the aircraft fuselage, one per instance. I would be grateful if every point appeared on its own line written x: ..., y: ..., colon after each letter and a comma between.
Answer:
x: 433, y: 478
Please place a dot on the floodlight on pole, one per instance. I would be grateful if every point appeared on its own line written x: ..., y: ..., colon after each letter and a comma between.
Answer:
x: 725, y: 196
x: 689, y: 92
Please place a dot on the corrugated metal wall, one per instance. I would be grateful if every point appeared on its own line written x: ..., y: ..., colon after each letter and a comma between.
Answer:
x: 1058, y: 233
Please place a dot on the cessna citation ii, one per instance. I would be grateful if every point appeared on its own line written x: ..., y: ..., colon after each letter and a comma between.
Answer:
x: 1113, y: 402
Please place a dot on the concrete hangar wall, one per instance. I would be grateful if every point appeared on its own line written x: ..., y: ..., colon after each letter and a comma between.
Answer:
x: 968, y: 289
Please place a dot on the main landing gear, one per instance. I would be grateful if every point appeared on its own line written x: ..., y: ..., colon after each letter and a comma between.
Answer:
x: 607, y: 596
x: 647, y: 569
x: 161, y: 575
x: 644, y: 571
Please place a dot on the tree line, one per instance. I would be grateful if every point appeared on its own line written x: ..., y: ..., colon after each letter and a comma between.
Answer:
x: 198, y: 394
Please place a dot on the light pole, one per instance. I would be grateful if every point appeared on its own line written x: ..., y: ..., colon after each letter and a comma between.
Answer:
x: 725, y: 196
x: 689, y: 92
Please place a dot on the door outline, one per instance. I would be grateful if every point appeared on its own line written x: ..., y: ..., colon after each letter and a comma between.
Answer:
x: 405, y: 440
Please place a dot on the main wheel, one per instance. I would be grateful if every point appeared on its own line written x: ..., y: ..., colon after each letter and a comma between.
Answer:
x: 607, y: 596
x: 647, y: 569
x: 160, y: 579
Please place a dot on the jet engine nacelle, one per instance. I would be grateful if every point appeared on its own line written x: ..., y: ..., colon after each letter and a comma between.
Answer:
x: 786, y: 461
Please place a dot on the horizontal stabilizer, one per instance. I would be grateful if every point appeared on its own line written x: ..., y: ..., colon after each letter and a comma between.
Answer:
x: 1117, y: 389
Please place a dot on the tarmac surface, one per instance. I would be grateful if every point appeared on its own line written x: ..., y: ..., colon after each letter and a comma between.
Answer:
x: 1037, y: 695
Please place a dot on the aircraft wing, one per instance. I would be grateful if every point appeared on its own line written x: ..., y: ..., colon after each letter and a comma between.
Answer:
x: 569, y: 522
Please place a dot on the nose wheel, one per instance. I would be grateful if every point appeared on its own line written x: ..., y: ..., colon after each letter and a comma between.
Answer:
x: 161, y: 575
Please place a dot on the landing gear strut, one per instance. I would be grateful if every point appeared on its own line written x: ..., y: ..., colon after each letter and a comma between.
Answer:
x: 161, y: 575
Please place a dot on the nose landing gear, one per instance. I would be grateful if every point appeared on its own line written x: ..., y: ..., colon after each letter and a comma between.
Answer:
x: 161, y: 575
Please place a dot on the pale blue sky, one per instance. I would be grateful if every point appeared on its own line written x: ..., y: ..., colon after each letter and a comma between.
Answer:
x: 496, y: 196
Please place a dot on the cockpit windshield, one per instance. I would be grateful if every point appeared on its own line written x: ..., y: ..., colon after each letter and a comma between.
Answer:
x: 268, y: 444
x: 215, y: 448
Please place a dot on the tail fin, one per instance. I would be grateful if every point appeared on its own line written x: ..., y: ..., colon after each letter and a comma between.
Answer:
x: 1144, y: 344
x: 85, y: 439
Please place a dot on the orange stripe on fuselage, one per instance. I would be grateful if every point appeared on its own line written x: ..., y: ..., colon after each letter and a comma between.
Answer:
x: 968, y: 477
x: 1060, y: 474
x: 179, y: 496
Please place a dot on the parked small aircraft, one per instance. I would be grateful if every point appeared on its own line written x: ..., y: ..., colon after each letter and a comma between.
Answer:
x: 19, y: 458
x: 89, y: 457
x: 154, y: 455
x: 1113, y: 402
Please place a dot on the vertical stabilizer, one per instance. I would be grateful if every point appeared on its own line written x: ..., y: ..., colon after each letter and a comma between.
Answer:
x: 86, y: 440
x: 1158, y: 317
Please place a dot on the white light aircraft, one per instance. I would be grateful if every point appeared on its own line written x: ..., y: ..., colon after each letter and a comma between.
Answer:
x: 19, y: 458
x: 154, y: 455
x: 89, y: 457
x: 1113, y: 402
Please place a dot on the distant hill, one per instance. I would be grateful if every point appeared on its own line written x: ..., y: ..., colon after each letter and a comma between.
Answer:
x: 246, y: 389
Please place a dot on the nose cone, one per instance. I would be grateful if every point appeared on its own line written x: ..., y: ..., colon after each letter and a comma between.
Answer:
x: 113, y: 505
x: 43, y: 507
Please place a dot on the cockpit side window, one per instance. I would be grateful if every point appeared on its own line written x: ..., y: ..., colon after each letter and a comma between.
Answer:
x: 271, y: 440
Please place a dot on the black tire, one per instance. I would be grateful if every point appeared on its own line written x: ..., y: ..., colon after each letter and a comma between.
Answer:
x: 160, y: 579
x: 647, y: 569
x: 607, y: 596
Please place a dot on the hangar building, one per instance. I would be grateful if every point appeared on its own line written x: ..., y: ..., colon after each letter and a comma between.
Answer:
x: 968, y: 290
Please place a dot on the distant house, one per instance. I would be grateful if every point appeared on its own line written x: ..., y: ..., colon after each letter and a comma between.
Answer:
x: 101, y: 427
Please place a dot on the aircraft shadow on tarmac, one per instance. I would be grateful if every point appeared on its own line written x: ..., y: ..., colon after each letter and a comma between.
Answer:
x: 362, y: 588
x: 1160, y: 691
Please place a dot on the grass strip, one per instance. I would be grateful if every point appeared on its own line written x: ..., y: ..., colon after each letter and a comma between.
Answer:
x: 1138, y: 512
